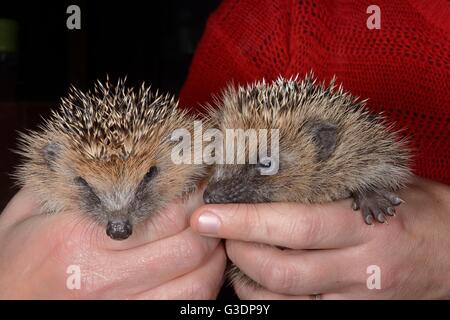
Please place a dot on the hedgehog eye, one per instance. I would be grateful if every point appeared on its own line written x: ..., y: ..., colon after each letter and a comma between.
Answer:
x: 265, y: 164
x: 151, y: 173
x: 88, y: 192
x: 80, y: 181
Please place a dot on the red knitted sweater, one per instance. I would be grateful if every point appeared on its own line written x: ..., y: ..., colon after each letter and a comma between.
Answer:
x: 403, y: 67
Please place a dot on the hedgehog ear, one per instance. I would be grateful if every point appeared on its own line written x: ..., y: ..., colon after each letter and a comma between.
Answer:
x: 51, y: 152
x: 325, y: 138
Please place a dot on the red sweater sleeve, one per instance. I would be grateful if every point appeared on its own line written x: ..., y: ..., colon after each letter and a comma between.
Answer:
x: 403, y: 68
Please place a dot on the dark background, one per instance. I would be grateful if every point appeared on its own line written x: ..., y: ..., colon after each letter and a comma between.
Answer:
x: 151, y: 41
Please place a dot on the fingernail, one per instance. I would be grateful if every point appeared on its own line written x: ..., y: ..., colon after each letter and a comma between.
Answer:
x: 208, y: 223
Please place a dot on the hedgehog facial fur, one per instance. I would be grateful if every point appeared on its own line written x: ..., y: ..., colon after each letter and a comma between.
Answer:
x: 108, y: 153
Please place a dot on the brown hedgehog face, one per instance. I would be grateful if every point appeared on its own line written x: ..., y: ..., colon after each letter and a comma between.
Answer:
x: 250, y: 183
x: 303, y: 145
x: 246, y: 183
x: 116, y: 192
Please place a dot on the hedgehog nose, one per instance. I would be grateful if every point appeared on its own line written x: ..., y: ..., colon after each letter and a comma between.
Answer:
x: 119, y: 229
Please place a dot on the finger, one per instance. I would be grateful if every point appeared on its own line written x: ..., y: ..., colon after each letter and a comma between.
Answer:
x: 201, y: 284
x: 357, y: 295
x: 291, y: 225
x: 20, y: 207
x: 291, y: 272
x: 163, y: 260
x: 170, y: 220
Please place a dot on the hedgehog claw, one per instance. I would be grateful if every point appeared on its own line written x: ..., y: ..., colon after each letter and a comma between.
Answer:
x: 381, y: 218
x: 390, y: 211
x: 368, y: 218
x: 392, y: 198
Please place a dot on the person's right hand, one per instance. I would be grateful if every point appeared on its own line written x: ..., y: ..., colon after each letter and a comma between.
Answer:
x: 163, y: 258
x: 326, y: 251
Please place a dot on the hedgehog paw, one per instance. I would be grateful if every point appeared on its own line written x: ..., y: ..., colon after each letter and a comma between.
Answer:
x: 376, y: 205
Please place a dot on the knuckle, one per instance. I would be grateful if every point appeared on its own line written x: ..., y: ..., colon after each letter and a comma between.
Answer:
x: 193, y: 250
x: 260, y: 226
x: 251, y: 222
x: 277, y: 277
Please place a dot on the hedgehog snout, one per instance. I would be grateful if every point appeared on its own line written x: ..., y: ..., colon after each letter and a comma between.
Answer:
x: 216, y: 193
x: 227, y: 192
x: 119, y: 229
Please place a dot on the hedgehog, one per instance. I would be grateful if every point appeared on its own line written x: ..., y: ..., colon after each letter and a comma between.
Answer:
x: 107, y: 153
x: 330, y: 148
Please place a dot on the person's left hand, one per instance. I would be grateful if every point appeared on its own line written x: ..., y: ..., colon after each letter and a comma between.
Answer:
x: 411, y: 250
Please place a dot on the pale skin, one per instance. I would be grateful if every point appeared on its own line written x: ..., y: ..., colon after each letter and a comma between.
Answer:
x: 411, y: 249
x: 163, y: 259
x: 170, y: 261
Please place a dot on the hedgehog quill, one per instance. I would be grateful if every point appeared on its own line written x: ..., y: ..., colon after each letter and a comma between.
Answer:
x: 107, y: 153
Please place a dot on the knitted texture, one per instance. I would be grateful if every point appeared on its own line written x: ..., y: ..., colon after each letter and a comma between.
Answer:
x: 403, y: 67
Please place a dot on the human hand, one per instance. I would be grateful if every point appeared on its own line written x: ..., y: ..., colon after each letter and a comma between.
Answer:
x: 411, y: 249
x: 163, y: 258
